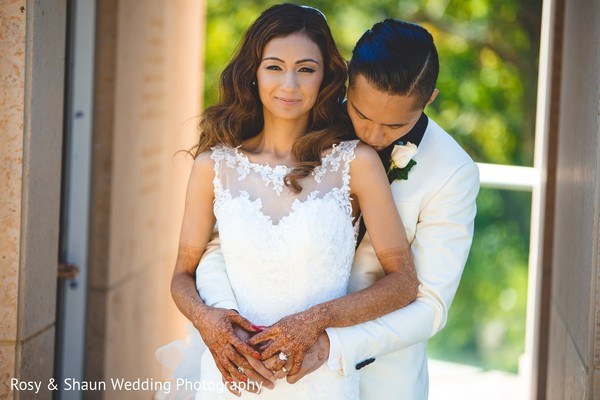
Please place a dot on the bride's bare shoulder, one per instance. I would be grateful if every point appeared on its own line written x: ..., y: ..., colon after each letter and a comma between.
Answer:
x: 203, y: 167
x: 365, y: 154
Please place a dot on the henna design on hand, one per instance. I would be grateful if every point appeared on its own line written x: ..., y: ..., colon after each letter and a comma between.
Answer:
x: 314, y: 358
x: 227, y: 349
x: 293, y: 335
x: 214, y: 324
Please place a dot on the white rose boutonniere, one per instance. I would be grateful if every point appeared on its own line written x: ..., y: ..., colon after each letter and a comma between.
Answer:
x: 401, y: 161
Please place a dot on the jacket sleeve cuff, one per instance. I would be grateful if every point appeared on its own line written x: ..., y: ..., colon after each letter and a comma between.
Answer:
x: 227, y: 304
x: 334, y: 361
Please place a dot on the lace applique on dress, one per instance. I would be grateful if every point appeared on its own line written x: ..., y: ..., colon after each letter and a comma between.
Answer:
x: 234, y: 158
x: 231, y: 160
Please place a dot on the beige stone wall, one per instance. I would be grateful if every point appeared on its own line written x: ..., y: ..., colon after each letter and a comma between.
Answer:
x: 12, y: 75
x: 31, y: 112
x: 574, y: 348
x: 147, y: 99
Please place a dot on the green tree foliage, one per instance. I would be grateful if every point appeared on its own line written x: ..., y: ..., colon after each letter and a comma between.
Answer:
x: 489, y: 61
x: 486, y: 325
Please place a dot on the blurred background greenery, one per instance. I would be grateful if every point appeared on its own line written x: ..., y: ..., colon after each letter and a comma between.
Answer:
x: 488, y: 76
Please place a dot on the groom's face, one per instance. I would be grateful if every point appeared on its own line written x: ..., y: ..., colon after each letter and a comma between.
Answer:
x: 380, y: 118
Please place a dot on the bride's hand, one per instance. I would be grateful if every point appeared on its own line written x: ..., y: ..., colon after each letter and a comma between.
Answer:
x: 292, y: 337
x: 314, y: 358
x: 228, y: 350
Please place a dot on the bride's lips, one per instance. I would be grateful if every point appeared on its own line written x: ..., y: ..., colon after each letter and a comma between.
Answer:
x: 286, y: 101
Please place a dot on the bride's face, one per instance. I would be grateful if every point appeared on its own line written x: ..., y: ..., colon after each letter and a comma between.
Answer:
x: 289, y: 77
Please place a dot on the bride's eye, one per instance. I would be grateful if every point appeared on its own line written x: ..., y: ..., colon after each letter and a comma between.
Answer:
x: 307, y: 69
x: 273, y: 67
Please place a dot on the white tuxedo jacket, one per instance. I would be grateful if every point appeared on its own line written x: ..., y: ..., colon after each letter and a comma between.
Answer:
x: 437, y: 206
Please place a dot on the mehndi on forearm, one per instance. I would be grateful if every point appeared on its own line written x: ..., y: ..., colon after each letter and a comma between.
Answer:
x: 396, y: 290
x: 183, y: 285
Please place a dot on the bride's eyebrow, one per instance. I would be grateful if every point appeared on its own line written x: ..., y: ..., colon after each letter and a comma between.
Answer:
x: 297, y: 62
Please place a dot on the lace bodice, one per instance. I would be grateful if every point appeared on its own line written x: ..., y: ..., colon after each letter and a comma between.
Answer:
x: 284, y: 251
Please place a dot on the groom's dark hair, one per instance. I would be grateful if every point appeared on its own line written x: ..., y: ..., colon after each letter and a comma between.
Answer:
x: 398, y: 58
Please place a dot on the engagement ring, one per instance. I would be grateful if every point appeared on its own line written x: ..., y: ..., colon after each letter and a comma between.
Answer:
x: 282, y: 356
x: 284, y: 370
x: 240, y: 370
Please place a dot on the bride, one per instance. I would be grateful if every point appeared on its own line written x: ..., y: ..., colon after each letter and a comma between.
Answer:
x: 273, y: 169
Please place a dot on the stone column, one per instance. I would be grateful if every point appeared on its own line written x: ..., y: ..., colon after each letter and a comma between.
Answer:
x: 32, y: 49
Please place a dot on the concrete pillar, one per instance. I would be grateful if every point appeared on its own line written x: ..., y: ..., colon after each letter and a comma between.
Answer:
x: 147, y: 100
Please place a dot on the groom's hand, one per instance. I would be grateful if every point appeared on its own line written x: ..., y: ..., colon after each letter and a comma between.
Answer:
x: 313, y: 359
x: 258, y: 373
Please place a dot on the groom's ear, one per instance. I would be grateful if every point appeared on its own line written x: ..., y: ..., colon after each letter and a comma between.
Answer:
x: 432, y: 97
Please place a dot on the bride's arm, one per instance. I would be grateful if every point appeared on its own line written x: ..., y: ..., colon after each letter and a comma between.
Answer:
x: 295, y: 334
x: 214, y: 324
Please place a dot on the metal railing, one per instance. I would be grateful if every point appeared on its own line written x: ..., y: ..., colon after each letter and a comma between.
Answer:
x: 510, y: 177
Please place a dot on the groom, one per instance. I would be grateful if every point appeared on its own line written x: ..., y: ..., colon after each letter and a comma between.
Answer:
x: 393, y: 73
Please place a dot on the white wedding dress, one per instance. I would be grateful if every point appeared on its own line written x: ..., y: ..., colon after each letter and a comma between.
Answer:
x: 284, y: 252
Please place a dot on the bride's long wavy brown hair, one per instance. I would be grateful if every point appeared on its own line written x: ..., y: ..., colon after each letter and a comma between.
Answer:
x: 239, y: 115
